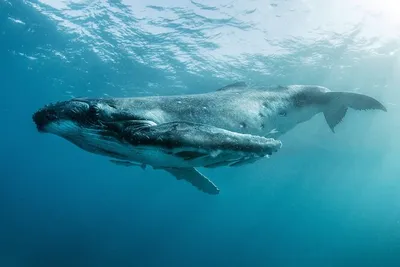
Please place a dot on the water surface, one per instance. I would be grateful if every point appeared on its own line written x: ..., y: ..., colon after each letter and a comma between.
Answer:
x: 324, y: 200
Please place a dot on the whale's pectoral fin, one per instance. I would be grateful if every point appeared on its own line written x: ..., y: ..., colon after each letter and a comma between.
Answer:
x: 339, y: 102
x: 195, y: 178
x: 193, y: 141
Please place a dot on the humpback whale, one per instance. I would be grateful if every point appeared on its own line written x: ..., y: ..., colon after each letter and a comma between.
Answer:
x: 232, y: 126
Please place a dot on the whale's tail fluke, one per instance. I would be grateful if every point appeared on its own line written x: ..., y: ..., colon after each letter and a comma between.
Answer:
x: 341, y: 101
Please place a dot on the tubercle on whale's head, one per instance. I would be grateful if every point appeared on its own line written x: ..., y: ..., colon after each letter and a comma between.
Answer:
x: 75, y: 110
x: 80, y: 115
x: 85, y: 123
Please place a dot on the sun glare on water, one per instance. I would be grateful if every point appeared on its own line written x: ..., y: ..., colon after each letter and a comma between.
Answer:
x: 388, y: 9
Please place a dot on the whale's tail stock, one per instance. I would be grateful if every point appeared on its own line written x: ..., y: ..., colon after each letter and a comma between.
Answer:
x: 341, y: 101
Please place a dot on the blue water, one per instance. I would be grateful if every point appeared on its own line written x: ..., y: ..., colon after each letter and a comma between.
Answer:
x: 324, y: 200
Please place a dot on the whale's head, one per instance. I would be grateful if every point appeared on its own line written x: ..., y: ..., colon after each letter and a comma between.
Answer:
x: 65, y: 117
x: 91, y: 124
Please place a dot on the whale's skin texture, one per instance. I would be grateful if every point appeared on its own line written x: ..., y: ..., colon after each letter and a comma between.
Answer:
x: 232, y: 126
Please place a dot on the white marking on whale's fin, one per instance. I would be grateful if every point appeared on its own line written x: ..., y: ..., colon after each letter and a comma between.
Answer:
x: 194, y: 177
x: 233, y: 86
x: 215, y: 153
x: 272, y: 133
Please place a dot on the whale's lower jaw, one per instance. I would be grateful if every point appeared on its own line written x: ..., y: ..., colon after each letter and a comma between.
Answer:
x: 90, y: 140
x: 160, y: 158
x: 93, y: 141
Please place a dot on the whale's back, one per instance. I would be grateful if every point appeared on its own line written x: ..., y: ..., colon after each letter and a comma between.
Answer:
x: 244, y: 111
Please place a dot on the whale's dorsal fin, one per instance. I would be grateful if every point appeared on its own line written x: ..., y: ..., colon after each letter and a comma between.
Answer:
x: 194, y: 177
x: 233, y: 86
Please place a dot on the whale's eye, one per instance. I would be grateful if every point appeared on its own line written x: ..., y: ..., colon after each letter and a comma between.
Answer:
x: 93, y: 111
x: 282, y: 113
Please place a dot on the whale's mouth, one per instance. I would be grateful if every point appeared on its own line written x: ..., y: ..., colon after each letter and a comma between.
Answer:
x: 42, y: 118
x: 86, y: 124
x: 75, y: 110
x: 91, y: 114
x: 95, y: 139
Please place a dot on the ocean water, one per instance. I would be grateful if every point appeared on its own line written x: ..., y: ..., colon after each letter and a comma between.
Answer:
x: 324, y: 200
